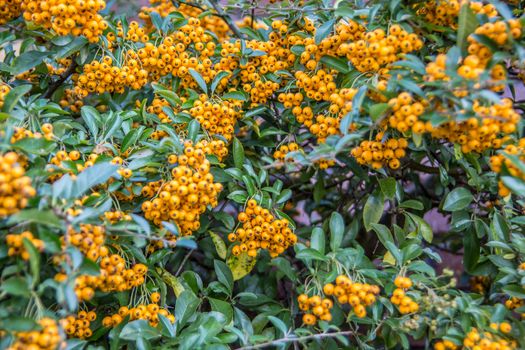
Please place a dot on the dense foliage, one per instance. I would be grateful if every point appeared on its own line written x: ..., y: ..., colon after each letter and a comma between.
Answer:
x: 251, y: 175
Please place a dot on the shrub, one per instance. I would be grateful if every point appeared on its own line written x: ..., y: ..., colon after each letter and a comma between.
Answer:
x: 259, y: 175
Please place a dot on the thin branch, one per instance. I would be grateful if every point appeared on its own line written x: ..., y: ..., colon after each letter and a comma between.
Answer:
x: 423, y: 168
x: 226, y: 19
x: 63, y: 77
x: 294, y: 339
x: 181, y: 266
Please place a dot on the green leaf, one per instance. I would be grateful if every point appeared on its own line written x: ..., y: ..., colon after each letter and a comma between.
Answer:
x: 223, y: 307
x: 337, y: 230
x: 317, y: 241
x: 43, y: 217
x: 13, y: 96
x: 235, y: 95
x: 457, y: 199
x: 28, y: 60
x: 34, y: 260
x: 199, y: 79
x: 279, y: 324
x: 138, y: 329
x: 221, y: 75
x: 388, y: 187
x: 339, y: 64
x: 422, y: 227
x: 39, y: 146
x: 224, y: 274
x: 377, y: 110
x: 515, y: 291
x: 383, y: 233
x: 90, y: 177
x: 220, y: 246
x: 238, y: 153
x: 186, y: 305
x: 240, y: 265
x: 516, y: 185
x: 324, y: 30
x: 373, y: 210
x: 92, y: 119
x: 412, y: 204
x: 471, y: 250
x: 311, y: 254
x: 16, y: 286
x: 285, y: 267
x: 467, y: 24
x: 193, y: 130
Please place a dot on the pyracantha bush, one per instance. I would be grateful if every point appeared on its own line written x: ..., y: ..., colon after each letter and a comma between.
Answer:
x: 248, y: 174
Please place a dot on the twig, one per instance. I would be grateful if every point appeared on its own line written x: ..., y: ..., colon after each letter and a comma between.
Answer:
x: 186, y: 257
x: 63, y: 77
x: 295, y: 339
x: 226, y: 19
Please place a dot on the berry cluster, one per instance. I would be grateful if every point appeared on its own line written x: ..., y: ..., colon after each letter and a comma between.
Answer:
x: 4, y: 90
x: 281, y: 153
x: 9, y: 10
x: 380, y: 153
x: 216, y: 116
x: 116, y: 216
x: 357, y: 295
x: 89, y: 239
x: 377, y: 50
x: 72, y: 100
x: 499, y: 160
x: 57, y: 168
x: 406, y: 113
x: 479, y: 284
x: 22, y: 133
x: 514, y: 303
x: 329, y: 124
x: 114, y: 276
x: 48, y: 338
x: 15, y: 244
x: 185, y: 197
x: 148, y: 312
x: 214, y: 24
x: 470, y: 68
x: 324, y: 164
x: 488, y: 341
x: 101, y: 76
x: 499, y: 32
x: 445, y: 12
x: 319, y: 308
x: 482, y: 131
x: 78, y: 326
x: 15, y: 187
x: 261, y: 230
x: 404, y: 302
x: 76, y: 17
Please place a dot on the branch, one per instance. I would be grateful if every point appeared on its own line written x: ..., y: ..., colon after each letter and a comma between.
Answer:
x: 63, y: 77
x: 423, y: 168
x: 226, y: 19
x: 295, y: 339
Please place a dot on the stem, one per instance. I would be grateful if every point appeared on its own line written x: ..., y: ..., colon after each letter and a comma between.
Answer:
x: 294, y: 339
x: 226, y: 19
x: 63, y: 77
x: 181, y: 266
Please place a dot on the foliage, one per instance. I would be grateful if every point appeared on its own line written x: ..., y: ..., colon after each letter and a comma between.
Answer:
x: 254, y: 175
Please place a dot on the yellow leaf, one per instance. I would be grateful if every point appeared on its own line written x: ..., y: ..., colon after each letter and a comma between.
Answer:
x: 389, y: 259
x: 240, y: 265
x: 171, y: 280
x: 219, y: 245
